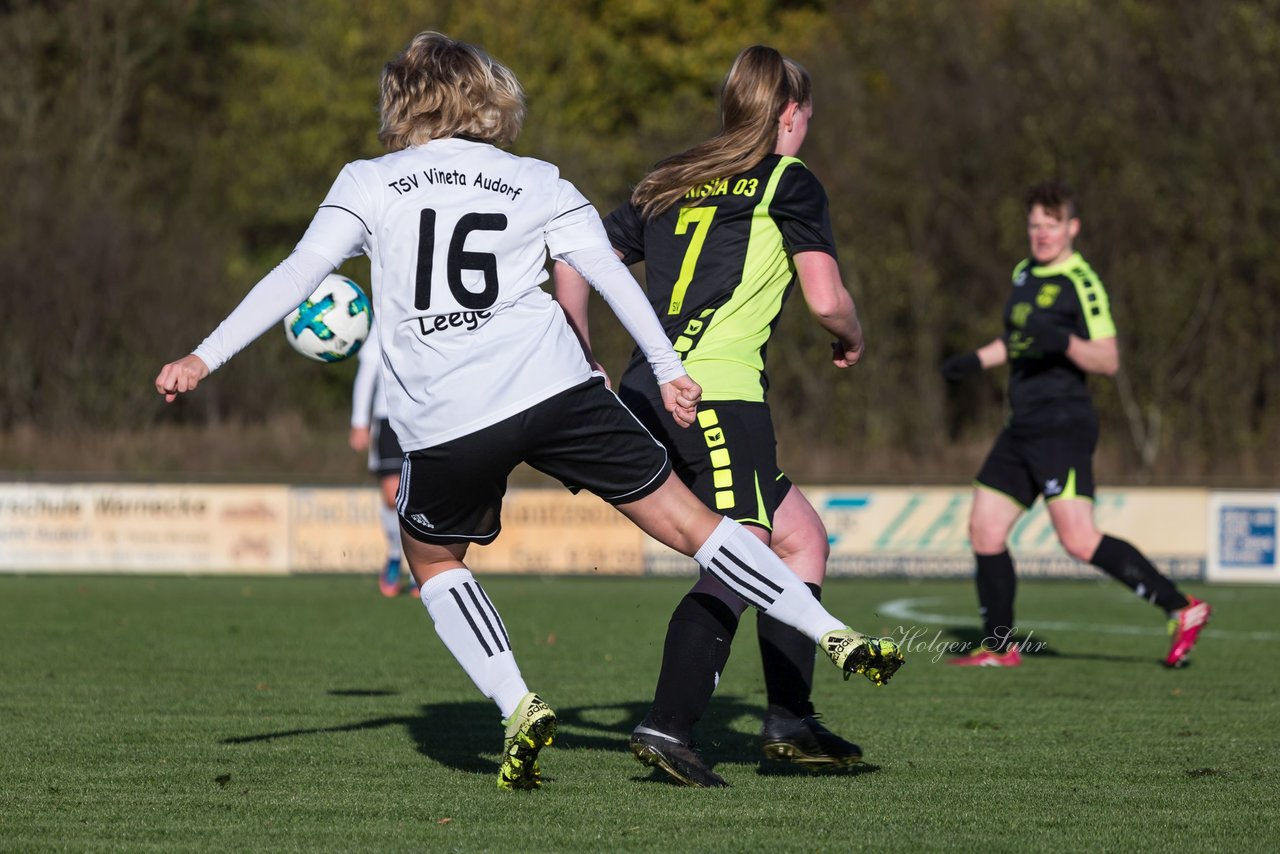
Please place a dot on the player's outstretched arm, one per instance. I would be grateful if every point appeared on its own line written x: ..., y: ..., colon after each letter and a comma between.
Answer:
x: 277, y: 294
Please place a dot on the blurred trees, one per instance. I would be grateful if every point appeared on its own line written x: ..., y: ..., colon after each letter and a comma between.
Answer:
x: 159, y: 157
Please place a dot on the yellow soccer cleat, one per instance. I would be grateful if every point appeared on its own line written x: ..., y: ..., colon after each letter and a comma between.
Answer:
x: 529, y: 729
x: 875, y: 658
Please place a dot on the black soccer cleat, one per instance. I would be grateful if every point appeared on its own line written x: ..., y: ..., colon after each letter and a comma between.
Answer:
x: 806, y: 742
x: 680, y: 761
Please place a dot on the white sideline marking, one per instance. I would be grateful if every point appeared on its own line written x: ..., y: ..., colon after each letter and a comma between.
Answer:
x: 908, y: 611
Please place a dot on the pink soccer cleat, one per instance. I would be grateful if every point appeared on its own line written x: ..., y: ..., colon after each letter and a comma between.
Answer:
x: 988, y: 658
x: 1184, y: 627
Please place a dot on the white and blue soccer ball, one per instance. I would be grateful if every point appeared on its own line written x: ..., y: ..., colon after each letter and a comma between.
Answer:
x: 332, y: 323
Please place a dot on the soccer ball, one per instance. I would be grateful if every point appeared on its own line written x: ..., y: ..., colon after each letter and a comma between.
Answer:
x: 332, y: 323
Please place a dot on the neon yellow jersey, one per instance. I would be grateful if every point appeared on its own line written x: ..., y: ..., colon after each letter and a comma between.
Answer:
x: 1071, y: 295
x: 718, y: 270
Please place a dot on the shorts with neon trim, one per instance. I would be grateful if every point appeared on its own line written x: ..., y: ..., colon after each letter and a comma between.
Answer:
x: 584, y: 437
x: 1053, y: 459
x: 728, y: 458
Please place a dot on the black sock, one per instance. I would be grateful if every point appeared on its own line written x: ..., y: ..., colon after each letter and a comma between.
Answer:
x: 997, y: 584
x: 1126, y: 564
x: 696, y: 650
x: 788, y: 658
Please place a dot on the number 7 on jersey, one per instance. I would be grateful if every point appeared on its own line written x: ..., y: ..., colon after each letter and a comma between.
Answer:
x: 701, y: 217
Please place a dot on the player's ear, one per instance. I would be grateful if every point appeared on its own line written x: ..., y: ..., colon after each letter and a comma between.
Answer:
x: 1073, y: 227
x: 788, y: 115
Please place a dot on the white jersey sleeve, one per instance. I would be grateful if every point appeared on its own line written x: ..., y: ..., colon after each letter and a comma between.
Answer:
x: 607, y: 275
x: 277, y: 294
x: 340, y: 229
x: 575, y: 224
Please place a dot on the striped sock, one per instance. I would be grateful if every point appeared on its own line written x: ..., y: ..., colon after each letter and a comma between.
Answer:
x: 755, y: 574
x: 471, y: 629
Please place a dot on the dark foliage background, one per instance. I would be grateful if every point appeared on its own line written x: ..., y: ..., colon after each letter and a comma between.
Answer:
x: 158, y: 156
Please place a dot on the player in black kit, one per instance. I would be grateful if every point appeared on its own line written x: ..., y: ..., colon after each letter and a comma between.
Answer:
x: 1058, y: 329
x: 726, y: 229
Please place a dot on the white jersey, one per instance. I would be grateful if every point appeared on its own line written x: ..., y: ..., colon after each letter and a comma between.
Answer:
x: 368, y: 400
x: 458, y: 233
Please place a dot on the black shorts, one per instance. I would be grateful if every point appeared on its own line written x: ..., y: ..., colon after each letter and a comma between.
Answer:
x: 728, y: 459
x: 1053, y: 459
x: 385, y: 456
x: 584, y: 437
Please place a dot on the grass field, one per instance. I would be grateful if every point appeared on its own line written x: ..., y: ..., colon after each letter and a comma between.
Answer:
x: 308, y: 713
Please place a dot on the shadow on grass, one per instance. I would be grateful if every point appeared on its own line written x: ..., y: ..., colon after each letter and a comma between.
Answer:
x: 1036, y: 645
x: 466, y: 736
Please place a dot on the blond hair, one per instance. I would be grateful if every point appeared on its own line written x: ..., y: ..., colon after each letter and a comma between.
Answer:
x: 439, y: 88
x: 758, y: 87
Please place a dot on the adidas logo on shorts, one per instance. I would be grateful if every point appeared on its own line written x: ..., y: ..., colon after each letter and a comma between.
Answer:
x: 422, y: 520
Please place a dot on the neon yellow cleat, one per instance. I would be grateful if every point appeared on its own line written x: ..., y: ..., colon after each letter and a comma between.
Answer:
x: 875, y: 658
x: 529, y: 729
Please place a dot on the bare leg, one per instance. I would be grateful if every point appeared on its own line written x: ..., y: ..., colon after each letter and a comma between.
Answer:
x: 1073, y: 522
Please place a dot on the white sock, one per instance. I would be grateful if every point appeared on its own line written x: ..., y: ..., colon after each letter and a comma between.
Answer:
x: 471, y: 629
x: 390, y: 520
x: 757, y: 576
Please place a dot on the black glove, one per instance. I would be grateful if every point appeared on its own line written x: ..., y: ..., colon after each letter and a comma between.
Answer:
x: 1046, y: 336
x: 958, y: 367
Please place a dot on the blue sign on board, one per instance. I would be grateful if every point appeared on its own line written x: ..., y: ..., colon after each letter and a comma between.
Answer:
x: 1247, y: 537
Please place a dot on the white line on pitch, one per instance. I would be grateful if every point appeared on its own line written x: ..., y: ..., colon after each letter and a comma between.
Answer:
x: 906, y: 609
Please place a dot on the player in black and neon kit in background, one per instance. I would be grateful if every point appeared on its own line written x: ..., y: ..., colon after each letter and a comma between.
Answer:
x: 725, y: 229
x: 1058, y: 329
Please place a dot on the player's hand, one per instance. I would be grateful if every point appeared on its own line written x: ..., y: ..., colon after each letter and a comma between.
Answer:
x: 845, y: 354
x: 956, y: 368
x: 1046, y: 335
x: 599, y: 368
x: 180, y: 377
x: 680, y: 397
x: 358, y: 439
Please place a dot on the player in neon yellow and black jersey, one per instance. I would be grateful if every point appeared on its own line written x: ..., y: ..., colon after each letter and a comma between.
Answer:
x: 725, y: 229
x: 1058, y: 329
x: 718, y: 269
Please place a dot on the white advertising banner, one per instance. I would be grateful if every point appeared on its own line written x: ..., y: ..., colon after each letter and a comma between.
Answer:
x: 543, y: 531
x: 887, y: 531
x: 910, y: 531
x: 336, y: 529
x: 140, y: 528
x: 1242, y: 537
x: 555, y: 531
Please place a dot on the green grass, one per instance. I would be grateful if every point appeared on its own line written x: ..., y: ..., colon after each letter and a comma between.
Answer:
x: 309, y: 713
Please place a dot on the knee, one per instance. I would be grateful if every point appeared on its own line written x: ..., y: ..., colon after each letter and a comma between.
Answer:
x: 986, y: 538
x: 1080, y: 544
x: 806, y: 545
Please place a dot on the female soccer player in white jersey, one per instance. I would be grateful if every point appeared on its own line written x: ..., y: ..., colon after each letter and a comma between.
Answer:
x: 483, y: 372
